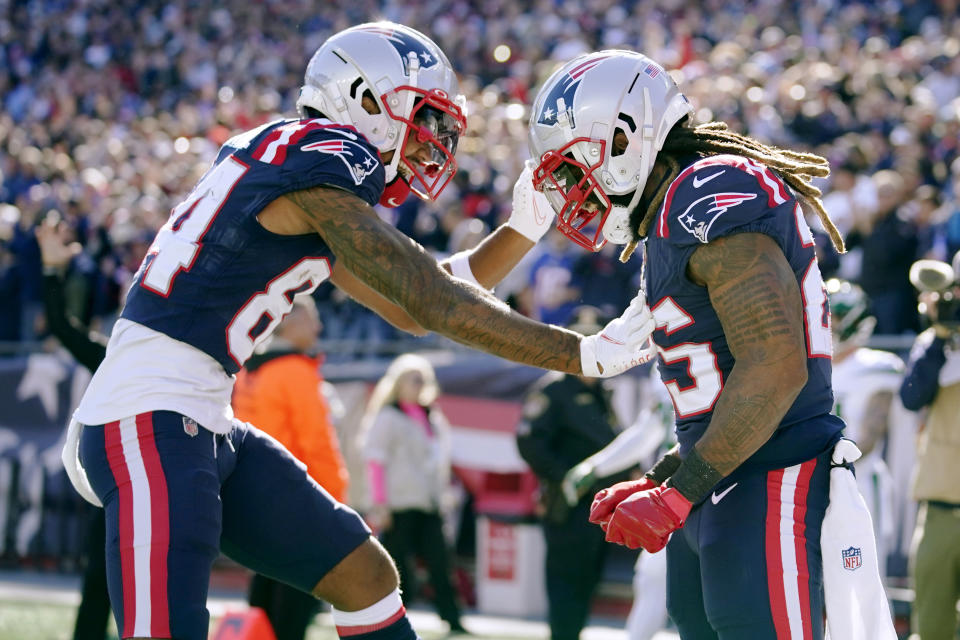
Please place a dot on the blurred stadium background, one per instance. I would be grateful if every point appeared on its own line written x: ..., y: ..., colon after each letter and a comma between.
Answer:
x: 113, y: 109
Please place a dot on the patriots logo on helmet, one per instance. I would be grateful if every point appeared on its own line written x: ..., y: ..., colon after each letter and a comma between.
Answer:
x: 405, y: 44
x: 359, y: 162
x: 700, y: 216
x: 566, y: 89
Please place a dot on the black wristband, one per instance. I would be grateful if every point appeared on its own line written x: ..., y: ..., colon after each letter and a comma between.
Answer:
x: 665, y: 466
x: 695, y: 477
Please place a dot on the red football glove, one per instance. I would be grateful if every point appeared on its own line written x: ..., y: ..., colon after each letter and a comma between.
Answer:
x: 646, y: 519
x: 607, y: 499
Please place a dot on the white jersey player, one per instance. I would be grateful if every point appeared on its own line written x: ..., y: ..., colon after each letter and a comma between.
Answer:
x: 865, y: 386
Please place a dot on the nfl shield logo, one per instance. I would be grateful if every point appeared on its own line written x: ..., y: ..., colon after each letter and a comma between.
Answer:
x: 852, y: 559
x: 190, y: 426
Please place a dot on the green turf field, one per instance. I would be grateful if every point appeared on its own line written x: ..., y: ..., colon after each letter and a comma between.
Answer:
x: 22, y: 620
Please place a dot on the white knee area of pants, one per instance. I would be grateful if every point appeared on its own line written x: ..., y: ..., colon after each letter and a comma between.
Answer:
x: 380, y: 611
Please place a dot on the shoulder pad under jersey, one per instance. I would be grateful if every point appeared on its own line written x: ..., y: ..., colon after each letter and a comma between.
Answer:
x: 316, y: 151
x: 714, y: 196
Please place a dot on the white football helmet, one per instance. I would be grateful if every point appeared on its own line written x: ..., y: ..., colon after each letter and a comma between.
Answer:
x: 592, y: 181
x: 415, y: 90
x: 851, y: 323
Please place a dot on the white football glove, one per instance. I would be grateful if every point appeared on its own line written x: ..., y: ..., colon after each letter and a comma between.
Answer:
x: 577, y: 482
x: 620, y: 345
x: 532, y: 213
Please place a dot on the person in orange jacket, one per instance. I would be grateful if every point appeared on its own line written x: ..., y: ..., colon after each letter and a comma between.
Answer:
x: 279, y: 390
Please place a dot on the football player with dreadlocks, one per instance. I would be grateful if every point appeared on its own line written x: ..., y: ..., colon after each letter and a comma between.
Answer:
x: 283, y: 208
x: 742, y: 331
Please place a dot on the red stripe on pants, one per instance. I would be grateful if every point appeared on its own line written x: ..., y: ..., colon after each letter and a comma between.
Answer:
x: 778, y: 600
x: 121, y: 476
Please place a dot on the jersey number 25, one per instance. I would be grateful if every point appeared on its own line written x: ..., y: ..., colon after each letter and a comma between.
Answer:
x: 702, y: 369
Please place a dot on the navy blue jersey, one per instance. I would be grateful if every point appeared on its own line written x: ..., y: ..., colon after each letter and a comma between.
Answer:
x: 214, y: 278
x: 715, y: 197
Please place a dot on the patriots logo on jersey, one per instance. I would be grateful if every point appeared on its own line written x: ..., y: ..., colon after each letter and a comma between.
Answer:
x: 359, y: 162
x: 405, y: 44
x: 700, y: 216
x: 566, y: 89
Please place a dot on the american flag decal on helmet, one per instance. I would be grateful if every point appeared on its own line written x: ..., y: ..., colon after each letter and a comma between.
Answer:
x: 652, y: 70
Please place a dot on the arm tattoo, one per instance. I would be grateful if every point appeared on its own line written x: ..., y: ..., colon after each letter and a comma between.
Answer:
x: 403, y: 272
x: 757, y: 298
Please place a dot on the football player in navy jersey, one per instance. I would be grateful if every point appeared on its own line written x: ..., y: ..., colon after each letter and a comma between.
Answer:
x: 742, y: 331
x: 283, y: 208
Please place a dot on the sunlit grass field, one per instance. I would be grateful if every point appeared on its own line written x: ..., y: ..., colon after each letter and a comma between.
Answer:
x: 36, y: 620
x: 30, y: 620
x: 23, y: 620
x: 41, y: 605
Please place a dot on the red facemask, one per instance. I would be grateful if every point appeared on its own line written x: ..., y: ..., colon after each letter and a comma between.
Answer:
x: 437, y: 123
x: 575, y: 192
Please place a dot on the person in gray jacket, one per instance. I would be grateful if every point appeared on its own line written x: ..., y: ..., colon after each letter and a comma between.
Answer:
x: 406, y: 446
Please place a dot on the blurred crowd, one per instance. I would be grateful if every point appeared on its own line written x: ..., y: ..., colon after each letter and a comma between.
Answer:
x: 112, y: 110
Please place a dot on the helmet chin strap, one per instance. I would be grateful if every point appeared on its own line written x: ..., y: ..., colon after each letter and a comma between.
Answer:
x: 563, y: 121
x: 391, y: 172
x: 616, y: 228
x: 395, y: 192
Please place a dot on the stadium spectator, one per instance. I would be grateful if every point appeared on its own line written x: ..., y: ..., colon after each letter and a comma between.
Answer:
x: 552, y: 290
x: 89, y: 349
x: 93, y: 96
x: 115, y: 110
x: 889, y: 244
x: 406, y: 444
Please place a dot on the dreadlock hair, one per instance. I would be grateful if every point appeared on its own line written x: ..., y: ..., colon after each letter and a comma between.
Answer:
x: 713, y: 138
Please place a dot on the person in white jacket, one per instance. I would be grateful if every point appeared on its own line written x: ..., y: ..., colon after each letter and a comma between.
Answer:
x: 406, y: 445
